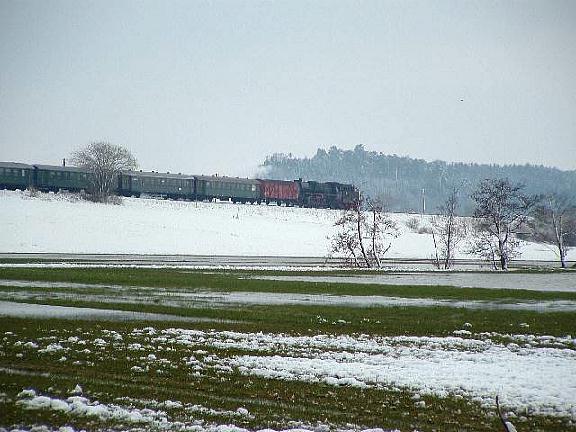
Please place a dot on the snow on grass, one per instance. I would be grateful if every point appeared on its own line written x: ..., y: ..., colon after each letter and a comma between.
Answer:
x: 157, y: 418
x: 529, y: 377
x: 531, y: 374
x: 79, y: 406
x: 59, y: 223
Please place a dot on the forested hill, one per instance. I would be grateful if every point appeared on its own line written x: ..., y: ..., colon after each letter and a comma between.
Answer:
x: 400, y: 181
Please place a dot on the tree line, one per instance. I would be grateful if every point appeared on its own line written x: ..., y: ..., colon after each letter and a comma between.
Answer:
x: 413, y: 185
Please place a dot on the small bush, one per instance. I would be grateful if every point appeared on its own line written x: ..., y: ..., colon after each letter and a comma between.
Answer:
x: 413, y: 224
x: 111, y: 199
x: 425, y: 229
x: 32, y: 192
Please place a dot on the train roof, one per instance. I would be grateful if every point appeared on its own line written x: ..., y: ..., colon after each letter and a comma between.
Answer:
x: 275, y: 180
x: 154, y: 174
x: 228, y: 179
x: 60, y: 168
x: 16, y: 165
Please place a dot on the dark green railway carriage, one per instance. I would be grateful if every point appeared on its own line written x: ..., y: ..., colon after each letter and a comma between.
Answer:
x: 224, y: 188
x: 137, y: 183
x: 55, y: 178
x: 15, y: 175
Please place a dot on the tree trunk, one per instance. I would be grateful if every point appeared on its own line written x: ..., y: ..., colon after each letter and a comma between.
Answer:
x: 374, y: 232
x: 360, y: 240
x: 354, y: 256
x: 563, y: 258
x: 450, y: 240
x: 503, y: 262
x: 557, y: 225
x: 503, y: 255
x: 436, y: 250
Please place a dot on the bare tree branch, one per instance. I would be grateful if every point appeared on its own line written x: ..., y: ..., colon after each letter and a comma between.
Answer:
x: 555, y: 224
x: 364, y: 235
x: 502, y: 210
x: 104, y: 161
x: 448, y: 229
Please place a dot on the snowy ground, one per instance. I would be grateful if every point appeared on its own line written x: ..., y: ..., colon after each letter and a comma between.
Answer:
x: 60, y: 223
x: 533, y: 375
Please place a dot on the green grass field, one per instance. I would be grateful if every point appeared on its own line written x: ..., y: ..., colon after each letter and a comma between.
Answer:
x: 149, y: 378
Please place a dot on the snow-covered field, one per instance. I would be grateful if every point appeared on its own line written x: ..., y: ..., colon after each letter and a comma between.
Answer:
x: 530, y: 367
x: 60, y: 223
x: 533, y: 375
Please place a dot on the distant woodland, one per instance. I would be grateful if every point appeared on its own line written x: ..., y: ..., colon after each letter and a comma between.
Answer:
x: 410, y: 185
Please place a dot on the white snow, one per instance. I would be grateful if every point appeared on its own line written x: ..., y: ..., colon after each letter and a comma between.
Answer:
x: 78, y: 406
x: 537, y: 377
x: 59, y: 223
x: 531, y: 374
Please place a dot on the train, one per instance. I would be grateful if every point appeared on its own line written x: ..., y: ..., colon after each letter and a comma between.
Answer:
x: 46, y: 178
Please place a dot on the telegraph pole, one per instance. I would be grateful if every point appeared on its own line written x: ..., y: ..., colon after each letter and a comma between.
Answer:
x: 423, y: 201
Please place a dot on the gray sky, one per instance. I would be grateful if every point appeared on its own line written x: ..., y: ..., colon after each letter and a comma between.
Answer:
x: 215, y: 86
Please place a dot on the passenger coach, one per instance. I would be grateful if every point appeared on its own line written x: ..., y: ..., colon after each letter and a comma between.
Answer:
x: 56, y: 178
x: 228, y: 188
x: 138, y: 183
x: 15, y: 175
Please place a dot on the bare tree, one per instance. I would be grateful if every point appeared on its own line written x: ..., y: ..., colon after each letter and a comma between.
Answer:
x: 555, y: 223
x: 104, y: 161
x: 363, y: 234
x: 448, y: 229
x: 381, y: 229
x: 350, y: 238
x: 502, y: 210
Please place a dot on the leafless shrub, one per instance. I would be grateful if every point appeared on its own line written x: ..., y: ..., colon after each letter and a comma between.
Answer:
x: 425, y: 229
x: 364, y: 235
x: 555, y: 224
x: 413, y: 224
x: 447, y: 231
x: 32, y: 192
x: 104, y: 161
x: 110, y: 199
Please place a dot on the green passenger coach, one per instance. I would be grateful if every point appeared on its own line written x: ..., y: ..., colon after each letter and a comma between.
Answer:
x: 227, y: 188
x: 137, y: 183
x: 55, y: 178
x: 15, y: 175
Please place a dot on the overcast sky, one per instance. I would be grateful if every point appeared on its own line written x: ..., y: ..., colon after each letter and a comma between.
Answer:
x: 215, y: 86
